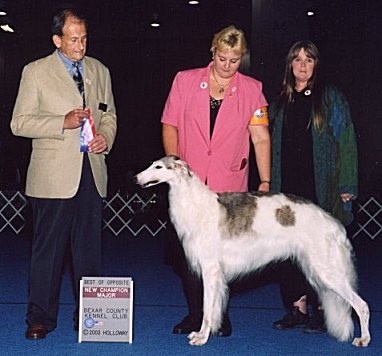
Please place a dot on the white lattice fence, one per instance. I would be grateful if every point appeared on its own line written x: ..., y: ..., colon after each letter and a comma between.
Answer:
x: 136, y: 213
x: 12, y: 209
x: 369, y: 218
x: 132, y: 213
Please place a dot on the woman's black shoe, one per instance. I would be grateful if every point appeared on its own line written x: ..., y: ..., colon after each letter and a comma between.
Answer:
x: 188, y: 325
x: 293, y: 319
x: 226, y: 328
x: 316, y: 323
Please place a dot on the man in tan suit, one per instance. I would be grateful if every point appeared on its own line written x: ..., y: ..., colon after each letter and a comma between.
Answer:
x: 65, y: 185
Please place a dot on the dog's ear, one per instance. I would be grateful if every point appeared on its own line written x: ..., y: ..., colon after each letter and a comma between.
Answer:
x: 182, y: 167
x: 187, y: 170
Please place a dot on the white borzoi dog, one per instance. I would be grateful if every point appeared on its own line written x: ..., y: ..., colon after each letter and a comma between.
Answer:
x: 230, y: 234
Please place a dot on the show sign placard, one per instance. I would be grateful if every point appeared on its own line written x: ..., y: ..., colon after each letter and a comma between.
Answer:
x: 106, y: 309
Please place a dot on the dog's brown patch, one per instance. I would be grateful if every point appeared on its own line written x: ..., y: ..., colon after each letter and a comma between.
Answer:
x: 240, y: 210
x: 285, y: 216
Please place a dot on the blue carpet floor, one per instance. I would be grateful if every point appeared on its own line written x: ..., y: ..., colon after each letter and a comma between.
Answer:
x: 159, y: 304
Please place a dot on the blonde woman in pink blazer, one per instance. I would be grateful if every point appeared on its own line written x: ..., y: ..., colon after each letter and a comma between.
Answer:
x: 210, y: 117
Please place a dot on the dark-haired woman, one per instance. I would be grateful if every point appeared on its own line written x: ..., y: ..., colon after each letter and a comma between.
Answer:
x: 314, y: 155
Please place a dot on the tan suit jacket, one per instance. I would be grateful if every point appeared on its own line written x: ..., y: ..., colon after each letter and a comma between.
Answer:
x: 47, y: 93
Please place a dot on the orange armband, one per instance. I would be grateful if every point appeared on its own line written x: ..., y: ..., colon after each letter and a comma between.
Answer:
x: 260, y: 117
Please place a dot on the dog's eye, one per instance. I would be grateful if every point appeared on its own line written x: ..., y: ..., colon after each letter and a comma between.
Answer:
x: 158, y: 167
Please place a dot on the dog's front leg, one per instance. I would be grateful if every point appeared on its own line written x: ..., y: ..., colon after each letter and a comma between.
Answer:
x: 214, y: 300
x: 199, y: 338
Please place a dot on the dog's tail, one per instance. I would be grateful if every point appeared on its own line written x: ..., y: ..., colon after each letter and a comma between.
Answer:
x: 338, y: 317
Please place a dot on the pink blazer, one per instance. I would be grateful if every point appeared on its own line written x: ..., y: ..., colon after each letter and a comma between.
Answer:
x: 221, y: 161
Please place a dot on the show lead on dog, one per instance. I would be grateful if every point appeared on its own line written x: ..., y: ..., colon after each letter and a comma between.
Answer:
x: 209, y: 119
x: 65, y: 184
x: 314, y: 155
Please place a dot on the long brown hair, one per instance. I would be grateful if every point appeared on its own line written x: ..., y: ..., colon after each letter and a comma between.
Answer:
x: 289, y: 81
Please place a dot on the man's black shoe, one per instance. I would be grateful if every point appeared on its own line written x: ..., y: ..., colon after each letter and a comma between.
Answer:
x: 36, y: 332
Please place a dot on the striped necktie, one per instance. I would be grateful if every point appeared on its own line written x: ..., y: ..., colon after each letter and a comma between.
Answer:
x: 79, y: 81
x: 88, y: 131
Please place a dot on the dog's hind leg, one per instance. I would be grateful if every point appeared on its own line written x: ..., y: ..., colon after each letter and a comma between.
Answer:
x: 214, y: 302
x: 336, y: 303
x: 363, y: 312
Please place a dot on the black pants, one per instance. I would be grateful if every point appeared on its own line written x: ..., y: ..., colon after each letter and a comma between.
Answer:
x: 191, y: 283
x: 293, y: 285
x: 76, y: 222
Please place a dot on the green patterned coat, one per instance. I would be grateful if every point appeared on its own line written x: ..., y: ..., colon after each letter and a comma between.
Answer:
x: 334, y: 152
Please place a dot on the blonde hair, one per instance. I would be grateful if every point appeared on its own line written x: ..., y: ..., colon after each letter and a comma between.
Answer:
x: 229, y: 39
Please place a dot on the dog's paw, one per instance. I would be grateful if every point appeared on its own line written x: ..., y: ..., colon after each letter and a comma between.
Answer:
x: 197, y: 338
x: 361, y: 341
